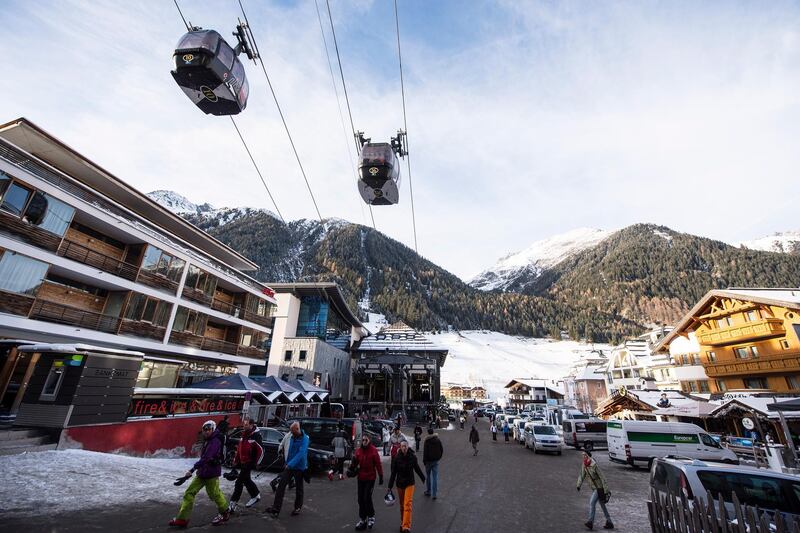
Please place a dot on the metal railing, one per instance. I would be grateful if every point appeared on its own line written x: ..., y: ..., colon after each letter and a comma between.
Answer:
x: 87, y: 256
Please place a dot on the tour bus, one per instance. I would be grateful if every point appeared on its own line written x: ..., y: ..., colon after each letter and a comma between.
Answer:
x: 641, y: 441
x: 585, y: 433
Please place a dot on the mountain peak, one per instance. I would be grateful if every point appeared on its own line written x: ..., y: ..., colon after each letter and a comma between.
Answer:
x: 781, y: 242
x: 177, y: 203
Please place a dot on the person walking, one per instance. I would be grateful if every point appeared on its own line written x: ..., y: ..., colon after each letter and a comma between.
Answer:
x: 417, y: 436
x: 295, y: 447
x: 600, y: 492
x: 248, y: 454
x: 368, y: 463
x: 208, y: 469
x: 395, y: 440
x: 461, y: 419
x: 506, y: 431
x: 340, y: 443
x: 493, y: 429
x: 432, y: 451
x: 386, y: 435
x: 404, y: 464
x: 473, y: 439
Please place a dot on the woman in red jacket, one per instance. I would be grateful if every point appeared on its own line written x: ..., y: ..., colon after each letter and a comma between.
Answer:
x: 368, y: 462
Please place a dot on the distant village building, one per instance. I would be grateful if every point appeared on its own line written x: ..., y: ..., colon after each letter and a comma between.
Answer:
x: 747, y: 338
x: 522, y: 392
x: 453, y: 391
x: 635, y: 366
x: 397, y: 369
x: 585, y: 386
x: 312, y: 337
x: 684, y: 351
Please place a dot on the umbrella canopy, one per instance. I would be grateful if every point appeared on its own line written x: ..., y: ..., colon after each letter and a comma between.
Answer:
x: 789, y: 405
x: 310, y: 392
x: 272, y: 384
x: 232, y: 381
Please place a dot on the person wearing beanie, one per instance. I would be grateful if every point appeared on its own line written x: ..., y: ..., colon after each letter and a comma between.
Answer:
x: 600, y: 492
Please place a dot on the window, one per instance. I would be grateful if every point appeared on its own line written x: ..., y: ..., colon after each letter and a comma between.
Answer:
x: 48, y: 213
x: 53, y: 382
x: 712, y: 357
x: 21, y: 274
x: 754, y: 351
x: 752, y: 316
x: 755, y: 383
x: 145, y: 309
x: 741, y: 353
x: 189, y: 321
x: 793, y: 382
x: 763, y: 491
x: 696, y: 359
x: 157, y: 374
x: 685, y: 359
x: 15, y: 198
x: 303, y: 355
x: 159, y: 262
x: 704, y: 386
x: 692, y: 386
x: 285, y: 377
x: 287, y: 355
x: 721, y: 385
x: 724, y: 322
x: 784, y: 344
x: 708, y: 441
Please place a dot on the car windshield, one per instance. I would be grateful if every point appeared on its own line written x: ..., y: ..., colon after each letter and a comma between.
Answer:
x: 544, y: 430
x: 765, y: 492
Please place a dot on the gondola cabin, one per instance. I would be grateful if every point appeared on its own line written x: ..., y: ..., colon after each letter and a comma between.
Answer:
x: 208, y: 71
x: 379, y: 174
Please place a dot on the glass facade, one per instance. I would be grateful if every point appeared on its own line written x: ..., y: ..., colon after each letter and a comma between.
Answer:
x: 21, y: 274
x: 160, y: 262
x: 318, y: 319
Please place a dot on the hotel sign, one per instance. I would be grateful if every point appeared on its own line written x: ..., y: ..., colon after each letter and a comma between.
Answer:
x: 140, y: 407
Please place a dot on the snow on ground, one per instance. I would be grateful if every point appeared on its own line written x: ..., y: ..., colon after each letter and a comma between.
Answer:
x: 71, y: 480
x: 783, y: 242
x: 491, y: 359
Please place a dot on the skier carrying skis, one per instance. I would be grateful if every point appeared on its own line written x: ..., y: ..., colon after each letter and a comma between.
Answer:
x: 208, y: 468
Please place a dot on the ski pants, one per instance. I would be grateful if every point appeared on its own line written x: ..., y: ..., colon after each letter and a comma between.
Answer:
x: 285, y: 476
x: 365, y: 507
x: 406, y: 497
x: 338, y: 466
x: 212, y: 489
x: 244, y: 480
x: 416, y: 443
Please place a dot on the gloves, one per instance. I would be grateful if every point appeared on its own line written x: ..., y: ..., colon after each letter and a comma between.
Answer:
x: 380, y: 481
x: 579, y: 489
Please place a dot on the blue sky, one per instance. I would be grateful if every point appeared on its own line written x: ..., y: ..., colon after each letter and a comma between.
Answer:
x: 526, y: 119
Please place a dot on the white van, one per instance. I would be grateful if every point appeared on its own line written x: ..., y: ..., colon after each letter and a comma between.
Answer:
x: 640, y: 441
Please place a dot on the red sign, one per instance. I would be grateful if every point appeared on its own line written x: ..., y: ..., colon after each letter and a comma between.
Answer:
x: 269, y: 292
x: 181, y: 406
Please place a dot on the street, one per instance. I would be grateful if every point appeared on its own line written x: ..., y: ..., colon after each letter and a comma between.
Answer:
x: 504, y: 488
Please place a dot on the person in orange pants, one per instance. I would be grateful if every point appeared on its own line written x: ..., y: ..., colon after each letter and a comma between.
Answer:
x: 404, y: 464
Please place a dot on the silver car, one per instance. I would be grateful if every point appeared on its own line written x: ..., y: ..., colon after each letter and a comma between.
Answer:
x: 543, y: 438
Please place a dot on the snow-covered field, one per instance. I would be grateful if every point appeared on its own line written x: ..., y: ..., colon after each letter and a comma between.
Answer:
x: 491, y: 359
x: 77, y: 479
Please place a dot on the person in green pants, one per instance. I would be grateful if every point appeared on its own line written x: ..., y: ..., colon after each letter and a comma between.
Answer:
x: 208, y: 468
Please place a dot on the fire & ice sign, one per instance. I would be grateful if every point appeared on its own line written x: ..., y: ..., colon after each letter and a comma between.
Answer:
x: 143, y: 407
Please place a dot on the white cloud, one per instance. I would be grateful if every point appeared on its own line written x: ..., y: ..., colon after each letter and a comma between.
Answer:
x: 525, y: 119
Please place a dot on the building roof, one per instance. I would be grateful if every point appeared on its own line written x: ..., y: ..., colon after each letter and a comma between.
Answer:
x: 330, y: 290
x: 536, y: 384
x: 36, y: 141
x: 591, y: 372
x: 76, y: 349
x: 785, y: 297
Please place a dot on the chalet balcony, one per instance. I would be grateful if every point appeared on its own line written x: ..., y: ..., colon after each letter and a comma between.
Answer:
x: 198, y: 296
x: 15, y: 304
x: 751, y: 331
x: 82, y: 254
x: 73, y: 316
x: 771, y: 364
x: 16, y: 227
x: 157, y: 281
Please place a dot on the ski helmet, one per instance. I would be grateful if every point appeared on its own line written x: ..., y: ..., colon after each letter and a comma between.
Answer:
x: 210, y: 424
x: 389, y: 499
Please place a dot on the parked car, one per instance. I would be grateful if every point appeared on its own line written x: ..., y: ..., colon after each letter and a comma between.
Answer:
x: 321, y: 432
x: 519, y: 430
x: 770, y: 491
x: 319, y: 458
x: 544, y: 438
x: 586, y: 434
x: 632, y: 441
x: 511, y: 411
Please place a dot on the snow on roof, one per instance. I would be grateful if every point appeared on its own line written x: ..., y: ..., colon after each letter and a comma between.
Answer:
x: 651, y: 397
x: 591, y: 372
x: 537, y: 384
x: 758, y: 404
x: 399, y: 337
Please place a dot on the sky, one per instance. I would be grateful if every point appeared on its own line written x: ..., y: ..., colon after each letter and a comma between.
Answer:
x: 525, y: 119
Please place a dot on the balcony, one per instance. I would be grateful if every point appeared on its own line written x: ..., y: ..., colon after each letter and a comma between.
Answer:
x: 196, y: 295
x: 215, y: 345
x: 751, y: 331
x: 137, y: 328
x: 763, y: 365
x: 87, y: 256
x: 15, y: 304
x: 157, y: 281
x: 13, y: 225
x: 73, y: 316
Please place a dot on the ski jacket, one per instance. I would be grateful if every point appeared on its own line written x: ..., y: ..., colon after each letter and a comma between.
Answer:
x: 596, y: 478
x: 397, y: 438
x: 506, y: 429
x: 210, y: 463
x: 386, y: 435
x: 296, y: 451
x: 417, y: 433
x: 247, y: 451
x: 340, y: 444
x: 403, y: 467
x: 473, y: 436
x: 369, y: 463
x: 432, y: 449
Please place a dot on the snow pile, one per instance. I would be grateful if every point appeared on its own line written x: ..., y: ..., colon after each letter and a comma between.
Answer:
x: 58, y: 481
x: 490, y: 359
x: 783, y: 242
x: 539, y: 256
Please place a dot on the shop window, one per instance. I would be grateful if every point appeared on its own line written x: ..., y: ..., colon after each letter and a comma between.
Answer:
x: 53, y: 382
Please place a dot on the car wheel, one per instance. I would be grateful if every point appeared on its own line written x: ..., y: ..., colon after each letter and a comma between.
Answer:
x: 588, y: 446
x: 558, y: 452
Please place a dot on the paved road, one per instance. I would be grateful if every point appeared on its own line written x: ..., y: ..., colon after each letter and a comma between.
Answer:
x: 504, y: 488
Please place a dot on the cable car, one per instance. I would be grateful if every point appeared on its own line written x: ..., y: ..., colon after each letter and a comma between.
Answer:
x: 379, y: 174
x: 210, y: 73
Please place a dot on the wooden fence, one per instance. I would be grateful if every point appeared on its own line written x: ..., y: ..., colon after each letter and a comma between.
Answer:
x: 672, y: 514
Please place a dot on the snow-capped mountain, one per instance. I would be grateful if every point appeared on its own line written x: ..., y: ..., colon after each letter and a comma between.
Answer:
x: 533, y: 260
x: 783, y: 242
x: 177, y: 203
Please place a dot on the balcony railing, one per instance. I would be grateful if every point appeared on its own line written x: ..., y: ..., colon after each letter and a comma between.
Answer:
x: 64, y: 314
x: 215, y: 345
x: 16, y: 304
x: 761, y: 329
x: 29, y: 233
x: 87, y: 256
x: 157, y: 281
x: 768, y: 364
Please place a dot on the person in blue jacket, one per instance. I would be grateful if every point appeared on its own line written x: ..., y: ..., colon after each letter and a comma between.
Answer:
x: 295, y: 449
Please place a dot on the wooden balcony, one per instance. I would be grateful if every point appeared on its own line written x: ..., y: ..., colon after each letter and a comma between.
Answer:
x: 782, y: 363
x: 73, y: 316
x: 751, y: 331
x: 195, y: 295
x: 15, y: 304
x: 14, y: 226
x: 157, y: 281
x: 87, y: 256
x: 136, y: 328
x: 215, y: 345
x: 256, y: 319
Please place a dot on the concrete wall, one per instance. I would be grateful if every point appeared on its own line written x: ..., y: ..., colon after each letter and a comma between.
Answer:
x: 285, y: 326
x: 320, y: 357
